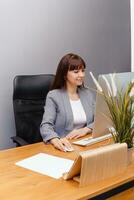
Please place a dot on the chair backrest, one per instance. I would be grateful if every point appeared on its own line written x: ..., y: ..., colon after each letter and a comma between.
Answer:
x: 29, y: 97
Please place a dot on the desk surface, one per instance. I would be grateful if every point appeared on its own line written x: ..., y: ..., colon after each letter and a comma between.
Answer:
x: 17, y: 183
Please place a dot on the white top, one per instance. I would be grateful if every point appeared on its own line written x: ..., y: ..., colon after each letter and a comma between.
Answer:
x: 78, y: 114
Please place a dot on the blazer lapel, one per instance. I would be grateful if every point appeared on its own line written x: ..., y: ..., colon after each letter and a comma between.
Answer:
x: 84, y: 102
x: 68, y: 111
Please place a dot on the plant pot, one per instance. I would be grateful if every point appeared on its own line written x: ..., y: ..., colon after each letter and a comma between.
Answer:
x: 130, y: 155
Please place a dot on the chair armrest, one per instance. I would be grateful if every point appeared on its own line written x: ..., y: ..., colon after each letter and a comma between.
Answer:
x: 19, y: 141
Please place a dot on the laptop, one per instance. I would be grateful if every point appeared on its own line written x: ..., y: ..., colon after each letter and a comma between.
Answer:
x: 102, y: 121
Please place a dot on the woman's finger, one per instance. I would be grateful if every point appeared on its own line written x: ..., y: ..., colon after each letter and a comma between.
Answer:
x: 57, y: 144
x: 74, y: 136
x: 66, y: 143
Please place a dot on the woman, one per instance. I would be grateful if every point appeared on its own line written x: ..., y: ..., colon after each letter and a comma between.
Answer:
x: 69, y: 105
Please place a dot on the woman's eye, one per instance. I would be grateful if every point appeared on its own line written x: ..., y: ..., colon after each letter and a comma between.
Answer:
x: 76, y: 71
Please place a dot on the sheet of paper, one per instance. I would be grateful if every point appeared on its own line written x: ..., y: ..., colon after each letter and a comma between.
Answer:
x: 49, y: 165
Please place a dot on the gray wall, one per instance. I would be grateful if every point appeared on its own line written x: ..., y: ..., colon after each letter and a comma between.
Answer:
x: 35, y: 34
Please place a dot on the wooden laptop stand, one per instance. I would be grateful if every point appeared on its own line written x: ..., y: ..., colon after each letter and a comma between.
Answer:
x: 98, y: 164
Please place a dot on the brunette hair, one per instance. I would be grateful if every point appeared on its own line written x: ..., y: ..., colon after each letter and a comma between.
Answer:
x: 67, y: 63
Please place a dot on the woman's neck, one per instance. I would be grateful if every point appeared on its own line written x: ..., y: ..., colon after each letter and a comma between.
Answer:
x: 72, y: 92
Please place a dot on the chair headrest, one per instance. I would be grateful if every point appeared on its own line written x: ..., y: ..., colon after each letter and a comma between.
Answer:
x: 32, y: 86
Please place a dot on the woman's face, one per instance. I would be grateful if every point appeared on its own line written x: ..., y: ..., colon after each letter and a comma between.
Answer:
x: 75, y: 77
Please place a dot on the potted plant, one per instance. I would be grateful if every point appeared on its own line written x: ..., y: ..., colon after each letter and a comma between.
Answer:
x: 121, y: 108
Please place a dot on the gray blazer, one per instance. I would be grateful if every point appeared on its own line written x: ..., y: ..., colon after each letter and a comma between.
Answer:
x: 58, y: 117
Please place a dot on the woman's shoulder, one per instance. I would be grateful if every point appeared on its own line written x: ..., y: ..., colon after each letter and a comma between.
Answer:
x: 54, y: 93
x: 87, y: 90
x: 87, y: 93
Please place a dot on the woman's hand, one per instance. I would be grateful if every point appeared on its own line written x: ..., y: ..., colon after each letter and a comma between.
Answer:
x: 61, y: 143
x: 77, y: 133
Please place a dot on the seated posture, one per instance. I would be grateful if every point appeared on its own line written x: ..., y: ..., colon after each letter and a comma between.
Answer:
x: 69, y: 108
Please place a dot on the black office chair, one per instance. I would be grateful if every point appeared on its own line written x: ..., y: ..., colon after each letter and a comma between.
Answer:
x: 29, y: 97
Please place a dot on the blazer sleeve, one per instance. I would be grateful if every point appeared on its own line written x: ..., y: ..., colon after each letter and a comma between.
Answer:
x: 48, y: 121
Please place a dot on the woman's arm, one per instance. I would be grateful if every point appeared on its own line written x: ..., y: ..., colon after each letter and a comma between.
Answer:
x: 47, y: 126
x: 92, y: 107
x: 77, y: 133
